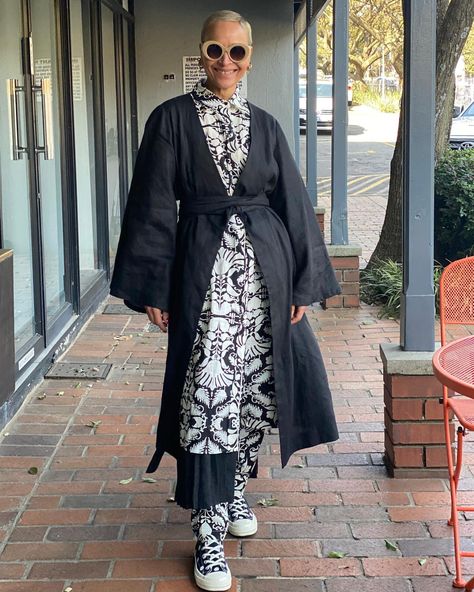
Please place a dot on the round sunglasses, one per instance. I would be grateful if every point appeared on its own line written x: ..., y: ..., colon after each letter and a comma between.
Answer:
x: 237, y: 52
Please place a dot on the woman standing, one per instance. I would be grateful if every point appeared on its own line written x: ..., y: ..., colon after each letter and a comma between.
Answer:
x: 231, y: 280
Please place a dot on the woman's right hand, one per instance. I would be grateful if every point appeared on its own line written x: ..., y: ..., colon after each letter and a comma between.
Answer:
x: 158, y: 317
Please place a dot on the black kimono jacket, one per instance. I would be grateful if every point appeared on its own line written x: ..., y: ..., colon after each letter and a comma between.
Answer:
x: 167, y: 263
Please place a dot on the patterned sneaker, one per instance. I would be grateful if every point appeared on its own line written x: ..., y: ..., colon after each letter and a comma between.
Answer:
x: 242, y: 521
x: 211, y: 571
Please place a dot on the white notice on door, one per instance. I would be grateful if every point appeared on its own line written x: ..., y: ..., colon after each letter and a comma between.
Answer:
x: 76, y: 65
x: 43, y: 67
x: 43, y: 70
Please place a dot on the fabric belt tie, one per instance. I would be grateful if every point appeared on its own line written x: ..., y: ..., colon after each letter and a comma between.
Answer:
x: 208, y: 205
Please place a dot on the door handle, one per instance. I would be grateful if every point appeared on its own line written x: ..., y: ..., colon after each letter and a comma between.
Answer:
x: 13, y: 91
x: 46, y: 96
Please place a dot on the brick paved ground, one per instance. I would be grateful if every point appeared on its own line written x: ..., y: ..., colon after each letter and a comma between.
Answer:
x: 366, y: 215
x: 74, y: 524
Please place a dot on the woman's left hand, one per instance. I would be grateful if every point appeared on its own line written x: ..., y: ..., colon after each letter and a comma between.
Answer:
x: 297, y: 313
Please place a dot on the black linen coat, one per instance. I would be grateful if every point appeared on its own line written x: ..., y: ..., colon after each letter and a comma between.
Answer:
x: 167, y: 263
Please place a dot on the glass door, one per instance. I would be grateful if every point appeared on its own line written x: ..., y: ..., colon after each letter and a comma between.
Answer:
x: 91, y: 263
x: 15, y: 182
x: 109, y: 70
x: 30, y: 173
x: 46, y: 112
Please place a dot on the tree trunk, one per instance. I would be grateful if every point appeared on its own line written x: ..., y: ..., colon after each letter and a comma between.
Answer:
x: 455, y: 20
x: 390, y: 243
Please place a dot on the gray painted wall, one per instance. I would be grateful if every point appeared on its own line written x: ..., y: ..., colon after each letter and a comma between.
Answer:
x: 167, y: 31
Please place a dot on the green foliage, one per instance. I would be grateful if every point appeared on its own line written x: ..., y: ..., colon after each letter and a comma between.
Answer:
x: 364, y: 95
x: 375, y: 29
x: 468, y: 53
x: 454, y: 206
x: 382, y: 284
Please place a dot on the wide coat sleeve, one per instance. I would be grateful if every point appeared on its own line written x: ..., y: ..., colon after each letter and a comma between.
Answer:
x: 146, y: 249
x: 314, y: 278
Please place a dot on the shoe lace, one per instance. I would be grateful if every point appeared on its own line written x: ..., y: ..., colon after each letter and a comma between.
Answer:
x: 240, y: 510
x: 210, y: 556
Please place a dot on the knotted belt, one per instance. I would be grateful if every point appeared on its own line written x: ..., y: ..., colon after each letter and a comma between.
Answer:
x: 219, y: 205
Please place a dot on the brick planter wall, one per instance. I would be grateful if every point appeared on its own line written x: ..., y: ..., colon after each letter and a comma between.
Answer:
x: 319, y: 212
x: 414, y: 429
x: 345, y: 261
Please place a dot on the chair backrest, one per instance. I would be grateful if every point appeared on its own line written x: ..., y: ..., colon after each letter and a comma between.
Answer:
x: 456, y: 295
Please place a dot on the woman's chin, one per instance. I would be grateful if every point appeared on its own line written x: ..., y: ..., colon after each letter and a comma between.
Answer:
x: 225, y: 83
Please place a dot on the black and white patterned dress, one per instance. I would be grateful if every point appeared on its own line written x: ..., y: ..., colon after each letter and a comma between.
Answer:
x: 229, y: 382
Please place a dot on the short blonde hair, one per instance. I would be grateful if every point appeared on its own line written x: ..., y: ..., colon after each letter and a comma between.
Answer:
x: 226, y: 15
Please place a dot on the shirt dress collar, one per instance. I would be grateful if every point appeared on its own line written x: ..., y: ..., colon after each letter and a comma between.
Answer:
x: 236, y: 102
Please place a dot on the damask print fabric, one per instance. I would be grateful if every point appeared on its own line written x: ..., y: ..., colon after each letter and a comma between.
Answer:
x: 229, y: 381
x: 226, y: 125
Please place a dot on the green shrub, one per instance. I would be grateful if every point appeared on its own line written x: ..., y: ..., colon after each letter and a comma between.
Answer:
x: 363, y: 95
x: 454, y: 206
x: 382, y: 284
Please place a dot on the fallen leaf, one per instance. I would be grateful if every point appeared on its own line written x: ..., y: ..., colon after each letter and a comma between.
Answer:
x: 267, y: 502
x: 93, y: 424
x: 148, y: 480
x: 68, y: 589
x: 41, y: 397
x: 422, y: 561
x: 390, y: 545
x: 299, y: 466
x: 78, y: 385
x: 336, y: 555
x: 33, y: 471
x: 126, y: 481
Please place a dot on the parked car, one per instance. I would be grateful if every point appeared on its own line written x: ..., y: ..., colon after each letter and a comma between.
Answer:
x: 462, y: 130
x: 389, y: 82
x: 323, y: 104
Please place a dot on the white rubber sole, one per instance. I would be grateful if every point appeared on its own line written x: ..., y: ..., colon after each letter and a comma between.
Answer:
x: 213, y: 582
x: 243, y: 528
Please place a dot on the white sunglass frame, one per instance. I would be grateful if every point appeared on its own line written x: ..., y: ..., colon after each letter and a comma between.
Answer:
x: 225, y: 49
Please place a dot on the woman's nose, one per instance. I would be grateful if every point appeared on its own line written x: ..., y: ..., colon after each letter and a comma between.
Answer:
x: 225, y: 59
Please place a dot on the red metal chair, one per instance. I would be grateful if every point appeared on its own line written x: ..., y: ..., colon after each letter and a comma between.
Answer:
x: 457, y: 308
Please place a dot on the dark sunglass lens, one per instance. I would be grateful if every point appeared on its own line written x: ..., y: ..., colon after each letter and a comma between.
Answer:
x: 214, y: 51
x: 237, y: 53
